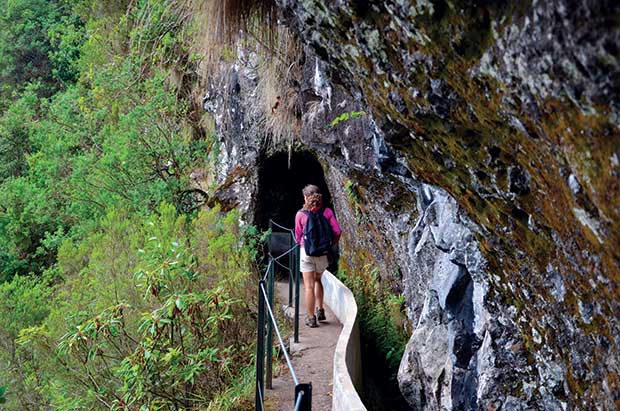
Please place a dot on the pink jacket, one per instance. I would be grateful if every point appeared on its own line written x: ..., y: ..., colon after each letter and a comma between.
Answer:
x: 301, y: 219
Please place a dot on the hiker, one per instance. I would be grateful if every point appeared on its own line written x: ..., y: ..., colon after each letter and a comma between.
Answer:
x: 316, y: 231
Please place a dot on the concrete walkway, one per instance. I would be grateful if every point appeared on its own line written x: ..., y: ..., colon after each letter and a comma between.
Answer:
x: 312, y: 359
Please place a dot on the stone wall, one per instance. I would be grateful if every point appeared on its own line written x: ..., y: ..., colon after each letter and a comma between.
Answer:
x: 483, y: 182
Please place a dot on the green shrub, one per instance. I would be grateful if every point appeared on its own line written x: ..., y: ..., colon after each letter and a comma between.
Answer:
x: 176, y: 333
x: 23, y: 304
x: 381, y: 315
x: 97, y: 139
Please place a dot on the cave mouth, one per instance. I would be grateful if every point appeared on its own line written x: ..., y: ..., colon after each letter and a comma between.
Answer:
x: 280, y: 182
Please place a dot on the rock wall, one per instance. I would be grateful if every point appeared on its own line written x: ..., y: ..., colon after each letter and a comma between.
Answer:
x: 483, y: 181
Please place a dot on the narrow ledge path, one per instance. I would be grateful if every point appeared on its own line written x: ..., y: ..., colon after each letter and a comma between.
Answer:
x: 312, y: 358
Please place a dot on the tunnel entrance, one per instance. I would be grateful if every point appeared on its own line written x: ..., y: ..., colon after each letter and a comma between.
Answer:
x: 279, y: 187
x: 279, y: 198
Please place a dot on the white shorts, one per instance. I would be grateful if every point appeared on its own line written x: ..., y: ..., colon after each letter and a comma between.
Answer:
x: 309, y: 264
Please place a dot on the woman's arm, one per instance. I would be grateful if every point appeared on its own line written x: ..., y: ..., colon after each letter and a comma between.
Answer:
x: 299, y: 226
x: 329, y: 215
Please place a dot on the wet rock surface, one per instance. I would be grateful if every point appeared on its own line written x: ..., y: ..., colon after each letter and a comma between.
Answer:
x: 452, y: 324
x: 482, y: 181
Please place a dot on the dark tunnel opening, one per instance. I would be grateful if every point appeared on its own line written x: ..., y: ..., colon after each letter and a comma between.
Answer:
x: 280, y: 182
x: 279, y: 198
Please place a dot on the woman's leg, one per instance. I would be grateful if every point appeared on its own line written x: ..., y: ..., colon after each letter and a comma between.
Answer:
x: 309, y: 287
x: 318, y: 290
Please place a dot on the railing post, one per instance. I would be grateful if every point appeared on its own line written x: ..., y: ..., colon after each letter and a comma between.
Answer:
x: 270, y: 292
x: 297, y: 275
x: 290, y: 272
x: 266, y: 296
x: 260, y: 348
x: 305, y: 403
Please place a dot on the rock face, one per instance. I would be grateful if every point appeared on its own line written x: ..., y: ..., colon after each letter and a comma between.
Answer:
x: 482, y: 181
x: 443, y: 353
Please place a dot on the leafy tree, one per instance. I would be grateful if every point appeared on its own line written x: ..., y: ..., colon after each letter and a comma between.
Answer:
x: 96, y: 143
x: 15, y: 128
x: 171, y: 337
x: 39, y: 42
x: 22, y: 304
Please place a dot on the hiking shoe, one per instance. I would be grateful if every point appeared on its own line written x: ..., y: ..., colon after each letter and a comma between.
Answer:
x: 320, y: 314
x: 311, y: 321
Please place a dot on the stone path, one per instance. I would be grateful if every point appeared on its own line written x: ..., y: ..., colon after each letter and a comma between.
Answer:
x: 312, y: 359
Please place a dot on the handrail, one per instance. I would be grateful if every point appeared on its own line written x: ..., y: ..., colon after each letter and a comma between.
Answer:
x: 298, y: 402
x: 273, y: 320
x: 260, y: 395
x: 283, y: 266
x: 271, y: 222
x: 268, y: 268
x: 273, y: 259
x: 285, y: 253
x: 266, y: 294
x: 293, y: 261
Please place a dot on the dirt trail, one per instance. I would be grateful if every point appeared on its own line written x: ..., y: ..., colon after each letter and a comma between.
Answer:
x: 312, y: 361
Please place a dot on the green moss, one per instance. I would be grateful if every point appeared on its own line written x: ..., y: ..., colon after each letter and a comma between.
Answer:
x: 468, y: 148
x: 344, y: 117
x: 228, y: 54
x: 381, y: 314
x: 351, y: 190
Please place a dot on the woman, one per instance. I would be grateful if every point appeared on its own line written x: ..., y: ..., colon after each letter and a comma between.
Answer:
x: 312, y: 267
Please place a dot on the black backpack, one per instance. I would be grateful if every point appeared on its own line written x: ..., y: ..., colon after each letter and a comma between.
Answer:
x: 317, y: 234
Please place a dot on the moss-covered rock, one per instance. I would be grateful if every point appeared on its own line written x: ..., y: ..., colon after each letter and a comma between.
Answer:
x: 512, y: 110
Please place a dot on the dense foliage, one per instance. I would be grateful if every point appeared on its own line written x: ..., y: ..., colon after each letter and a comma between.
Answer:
x: 383, y: 333
x: 115, y: 292
x: 150, y: 315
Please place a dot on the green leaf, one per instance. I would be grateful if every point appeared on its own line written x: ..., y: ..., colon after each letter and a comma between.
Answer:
x: 180, y: 302
x: 3, y: 389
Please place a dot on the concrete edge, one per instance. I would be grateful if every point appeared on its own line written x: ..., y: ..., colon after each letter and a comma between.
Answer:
x: 347, y: 378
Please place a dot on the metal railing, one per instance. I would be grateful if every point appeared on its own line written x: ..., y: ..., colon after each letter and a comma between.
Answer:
x: 267, y: 324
